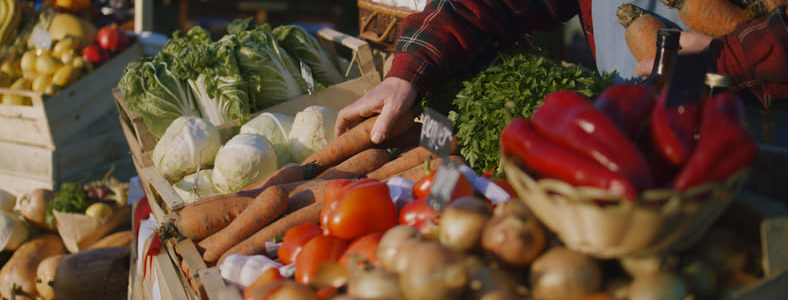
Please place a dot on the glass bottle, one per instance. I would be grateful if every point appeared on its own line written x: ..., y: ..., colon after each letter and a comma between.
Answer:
x: 667, y: 50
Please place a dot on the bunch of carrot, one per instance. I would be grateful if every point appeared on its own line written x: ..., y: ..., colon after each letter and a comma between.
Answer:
x: 242, y: 222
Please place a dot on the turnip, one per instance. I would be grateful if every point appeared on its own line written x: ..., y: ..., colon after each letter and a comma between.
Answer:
x: 33, y: 206
x: 462, y: 223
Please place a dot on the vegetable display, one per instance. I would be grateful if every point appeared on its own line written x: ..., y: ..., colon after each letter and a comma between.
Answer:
x: 245, y: 71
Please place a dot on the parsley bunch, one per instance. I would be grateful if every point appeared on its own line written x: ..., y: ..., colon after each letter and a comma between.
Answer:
x: 478, y: 109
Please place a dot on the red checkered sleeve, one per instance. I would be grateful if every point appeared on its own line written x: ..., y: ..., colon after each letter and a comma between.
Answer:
x: 450, y: 35
x: 755, y: 56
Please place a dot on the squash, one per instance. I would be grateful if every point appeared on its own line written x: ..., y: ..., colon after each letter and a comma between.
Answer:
x: 105, y: 269
x: 13, y: 231
x: 45, y: 276
x: 72, y: 5
x: 118, y: 239
x: 64, y: 24
x: 18, y: 275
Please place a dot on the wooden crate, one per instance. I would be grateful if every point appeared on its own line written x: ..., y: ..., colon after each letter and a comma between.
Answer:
x: 164, y: 201
x: 65, y: 136
x: 379, y: 23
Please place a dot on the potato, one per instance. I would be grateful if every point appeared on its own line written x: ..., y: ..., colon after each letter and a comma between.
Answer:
x: 64, y: 76
x: 19, y: 273
x: 28, y: 61
x: 45, y: 64
x: 41, y: 82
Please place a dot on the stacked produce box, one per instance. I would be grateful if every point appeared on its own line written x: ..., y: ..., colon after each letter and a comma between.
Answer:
x: 56, y: 75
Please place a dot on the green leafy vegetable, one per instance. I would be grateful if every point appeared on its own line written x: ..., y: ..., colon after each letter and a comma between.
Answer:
x: 271, y: 73
x: 479, y: 111
x: 154, y: 91
x: 304, y: 47
x: 70, y: 198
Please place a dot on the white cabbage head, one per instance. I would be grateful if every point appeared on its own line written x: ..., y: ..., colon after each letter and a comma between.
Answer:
x: 245, y: 159
x: 204, y: 183
x: 187, y: 143
x: 275, y: 128
x: 313, y: 128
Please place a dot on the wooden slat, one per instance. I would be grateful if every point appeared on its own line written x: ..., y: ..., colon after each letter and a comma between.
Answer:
x: 171, y: 286
x: 28, y: 161
x: 774, y: 237
x: 18, y: 186
x: 145, y: 139
x: 772, y: 288
x: 184, y: 281
x: 23, y: 123
x: 163, y: 188
x: 214, y: 285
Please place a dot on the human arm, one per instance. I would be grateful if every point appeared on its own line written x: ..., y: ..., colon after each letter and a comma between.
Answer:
x: 445, y: 37
x: 755, y: 55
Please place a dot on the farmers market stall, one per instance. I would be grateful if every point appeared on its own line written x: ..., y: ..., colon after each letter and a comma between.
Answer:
x: 248, y: 196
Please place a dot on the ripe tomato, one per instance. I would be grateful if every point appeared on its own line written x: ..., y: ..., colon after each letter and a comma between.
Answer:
x: 319, y: 249
x: 358, y: 208
x: 294, y: 241
x: 419, y: 215
x: 95, y: 55
x: 421, y: 189
x: 365, y: 246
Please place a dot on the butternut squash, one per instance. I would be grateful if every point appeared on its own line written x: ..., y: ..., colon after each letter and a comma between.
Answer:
x: 18, y: 276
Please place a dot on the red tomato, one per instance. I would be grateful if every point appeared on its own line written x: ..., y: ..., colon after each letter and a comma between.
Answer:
x: 365, y: 246
x: 357, y: 209
x: 421, y: 189
x: 294, y: 241
x: 110, y: 37
x: 319, y: 249
x: 419, y: 215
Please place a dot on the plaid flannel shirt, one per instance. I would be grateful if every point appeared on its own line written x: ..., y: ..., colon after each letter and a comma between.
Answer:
x: 452, y: 35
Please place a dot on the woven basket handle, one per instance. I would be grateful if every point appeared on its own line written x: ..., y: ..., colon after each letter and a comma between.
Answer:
x: 371, y: 35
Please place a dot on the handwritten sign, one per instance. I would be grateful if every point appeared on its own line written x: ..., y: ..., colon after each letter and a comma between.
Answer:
x: 436, y: 132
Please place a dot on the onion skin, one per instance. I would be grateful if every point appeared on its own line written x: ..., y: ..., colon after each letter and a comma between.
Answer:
x: 515, y: 238
x: 462, y: 223
x: 493, y: 284
x: 561, y: 274
x: 437, y: 272
x: 33, y: 207
x: 658, y: 286
x: 374, y: 284
x: 390, y: 243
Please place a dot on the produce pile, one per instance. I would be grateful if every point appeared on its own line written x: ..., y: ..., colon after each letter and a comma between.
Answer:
x: 48, y: 50
x: 479, y: 103
x: 35, y: 256
x: 249, y: 69
x: 378, y: 238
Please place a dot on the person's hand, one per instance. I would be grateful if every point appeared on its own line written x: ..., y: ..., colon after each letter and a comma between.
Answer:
x: 391, y: 99
x: 689, y: 43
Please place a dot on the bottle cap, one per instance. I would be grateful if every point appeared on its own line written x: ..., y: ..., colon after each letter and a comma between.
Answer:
x: 668, y: 37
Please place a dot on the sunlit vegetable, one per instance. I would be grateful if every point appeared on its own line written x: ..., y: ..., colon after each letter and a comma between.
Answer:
x: 245, y: 159
x: 561, y: 273
x: 275, y: 128
x: 312, y: 129
x: 188, y: 142
x: 462, y: 222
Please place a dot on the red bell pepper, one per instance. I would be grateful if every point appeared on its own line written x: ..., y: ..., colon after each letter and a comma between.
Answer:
x: 570, y: 120
x: 549, y: 159
x: 673, y: 129
x: 724, y: 147
x: 628, y: 105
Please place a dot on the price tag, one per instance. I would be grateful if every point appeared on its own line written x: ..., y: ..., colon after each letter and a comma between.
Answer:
x: 442, y: 188
x: 436, y: 132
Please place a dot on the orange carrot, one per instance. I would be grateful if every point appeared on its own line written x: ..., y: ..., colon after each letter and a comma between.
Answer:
x: 417, y: 172
x: 409, y: 159
x: 205, y: 217
x: 641, y: 30
x: 287, y: 174
x: 307, y: 193
x: 408, y: 139
x: 255, y: 244
x: 362, y: 163
x: 710, y: 17
x: 266, y: 207
x: 354, y: 141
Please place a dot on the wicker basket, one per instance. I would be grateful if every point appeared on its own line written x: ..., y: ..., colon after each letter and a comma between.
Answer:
x: 661, y: 221
x: 379, y: 23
